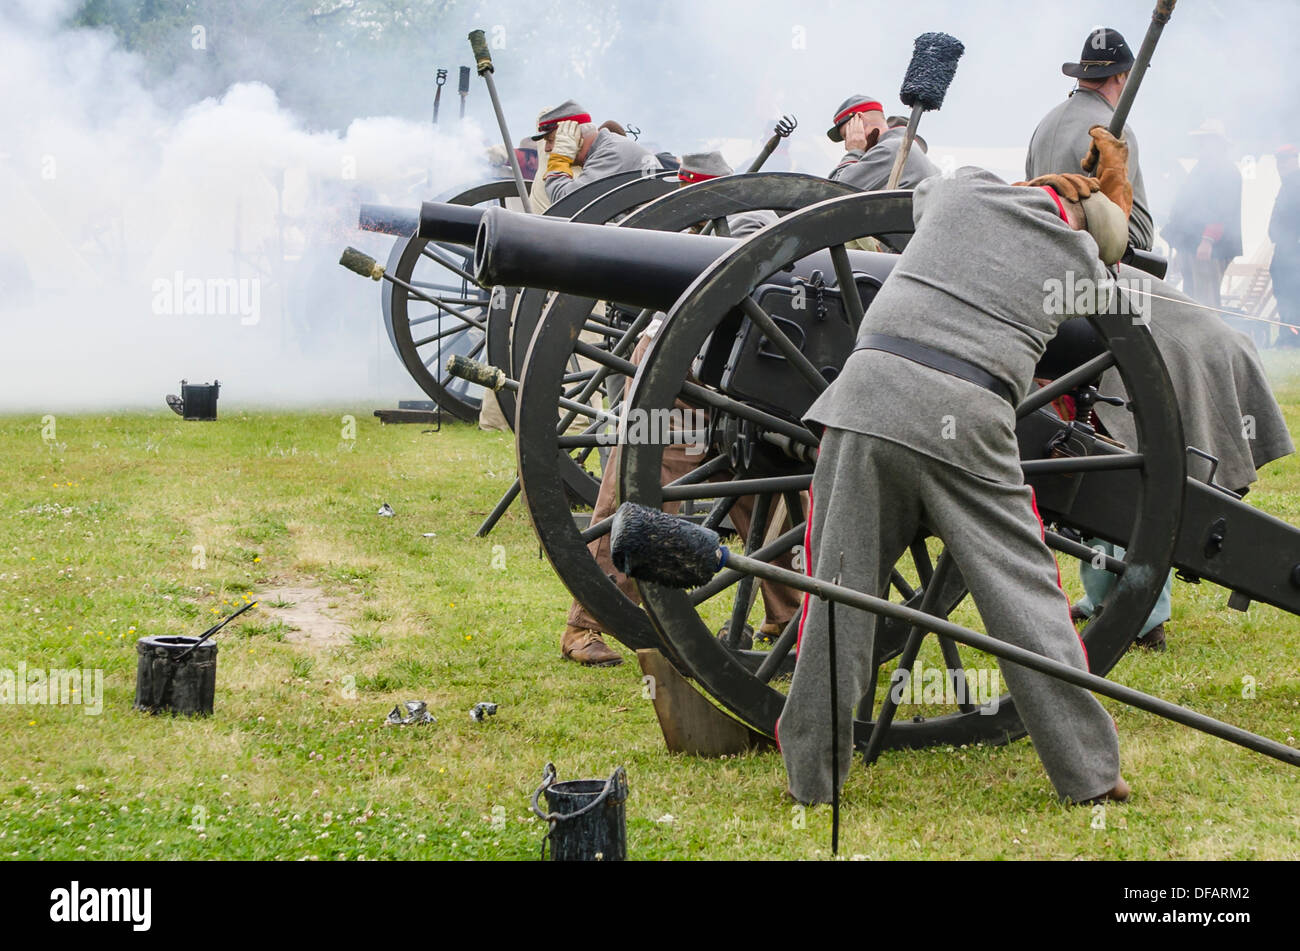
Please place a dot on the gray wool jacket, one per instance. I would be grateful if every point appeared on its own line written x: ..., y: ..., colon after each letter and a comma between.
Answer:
x: 1061, y: 141
x: 610, y: 154
x: 973, y: 283
x: 870, y: 170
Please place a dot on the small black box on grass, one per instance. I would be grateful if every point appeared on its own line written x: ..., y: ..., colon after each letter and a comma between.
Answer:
x: 172, y: 678
x: 200, y: 399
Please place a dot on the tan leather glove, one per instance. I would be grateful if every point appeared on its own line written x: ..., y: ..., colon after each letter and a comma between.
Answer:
x: 1068, y: 185
x: 565, y: 148
x: 1108, y: 225
x: 1108, y: 159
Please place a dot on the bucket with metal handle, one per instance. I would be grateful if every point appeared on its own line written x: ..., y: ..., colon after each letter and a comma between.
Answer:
x: 175, y: 674
x: 588, y: 821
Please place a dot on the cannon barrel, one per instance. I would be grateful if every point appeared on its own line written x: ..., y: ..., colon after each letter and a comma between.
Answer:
x: 449, y: 224
x: 634, y: 266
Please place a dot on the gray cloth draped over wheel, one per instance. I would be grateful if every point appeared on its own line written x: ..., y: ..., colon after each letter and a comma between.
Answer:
x: 1227, y: 405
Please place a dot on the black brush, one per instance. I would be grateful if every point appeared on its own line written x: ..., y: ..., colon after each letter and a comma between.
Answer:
x: 648, y: 544
x: 934, y: 63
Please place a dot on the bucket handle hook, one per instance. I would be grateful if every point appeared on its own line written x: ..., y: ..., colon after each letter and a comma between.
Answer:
x: 617, y: 783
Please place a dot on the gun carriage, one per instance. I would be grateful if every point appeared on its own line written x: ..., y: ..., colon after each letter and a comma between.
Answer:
x: 736, y: 344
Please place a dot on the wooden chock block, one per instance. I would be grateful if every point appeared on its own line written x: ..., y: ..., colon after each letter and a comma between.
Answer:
x: 690, y: 723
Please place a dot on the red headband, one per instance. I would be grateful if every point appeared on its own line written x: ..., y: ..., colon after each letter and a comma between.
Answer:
x: 684, y: 176
x: 546, y: 125
x: 861, y: 107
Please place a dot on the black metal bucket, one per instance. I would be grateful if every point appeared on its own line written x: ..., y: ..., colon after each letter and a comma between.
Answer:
x: 165, y: 682
x: 200, y: 399
x: 587, y: 818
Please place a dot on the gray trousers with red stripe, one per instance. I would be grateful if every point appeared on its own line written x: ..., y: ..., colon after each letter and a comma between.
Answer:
x: 870, y: 498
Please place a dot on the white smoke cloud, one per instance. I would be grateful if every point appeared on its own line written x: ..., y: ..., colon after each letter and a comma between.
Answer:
x: 122, y: 220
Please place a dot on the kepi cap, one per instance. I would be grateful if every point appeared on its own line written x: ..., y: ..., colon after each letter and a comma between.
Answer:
x: 847, y: 108
x: 702, y: 166
x: 567, y: 111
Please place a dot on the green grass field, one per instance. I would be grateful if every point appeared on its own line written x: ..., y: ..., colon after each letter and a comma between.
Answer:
x: 118, y: 526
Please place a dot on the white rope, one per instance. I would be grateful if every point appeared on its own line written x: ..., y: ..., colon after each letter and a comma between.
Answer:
x: 1217, y: 310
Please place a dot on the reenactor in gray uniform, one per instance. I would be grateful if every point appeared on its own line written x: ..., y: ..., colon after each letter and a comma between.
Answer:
x: 571, y: 138
x: 1062, y: 137
x: 583, y: 640
x: 870, y: 147
x: 920, y: 434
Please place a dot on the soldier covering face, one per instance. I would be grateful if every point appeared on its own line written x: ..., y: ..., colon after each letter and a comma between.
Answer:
x: 570, y: 138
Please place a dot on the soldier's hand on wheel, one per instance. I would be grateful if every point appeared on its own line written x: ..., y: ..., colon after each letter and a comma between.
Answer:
x: 567, y: 139
x: 855, y: 133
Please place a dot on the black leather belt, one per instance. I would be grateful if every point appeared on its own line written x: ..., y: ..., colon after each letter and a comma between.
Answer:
x: 937, y: 360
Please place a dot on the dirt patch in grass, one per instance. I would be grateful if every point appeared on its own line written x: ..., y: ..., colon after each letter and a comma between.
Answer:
x: 305, y: 609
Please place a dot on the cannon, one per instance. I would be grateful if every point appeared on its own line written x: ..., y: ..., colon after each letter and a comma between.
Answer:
x: 513, y: 314
x: 721, y: 349
x: 434, y: 309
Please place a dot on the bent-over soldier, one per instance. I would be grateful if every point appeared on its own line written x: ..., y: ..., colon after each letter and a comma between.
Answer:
x: 953, y: 337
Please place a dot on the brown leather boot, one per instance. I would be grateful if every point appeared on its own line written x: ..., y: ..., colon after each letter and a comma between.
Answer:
x: 1117, y: 793
x: 1153, y: 640
x: 588, y: 648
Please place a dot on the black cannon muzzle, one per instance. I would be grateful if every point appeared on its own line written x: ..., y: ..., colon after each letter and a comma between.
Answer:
x: 435, y: 221
x: 449, y: 224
